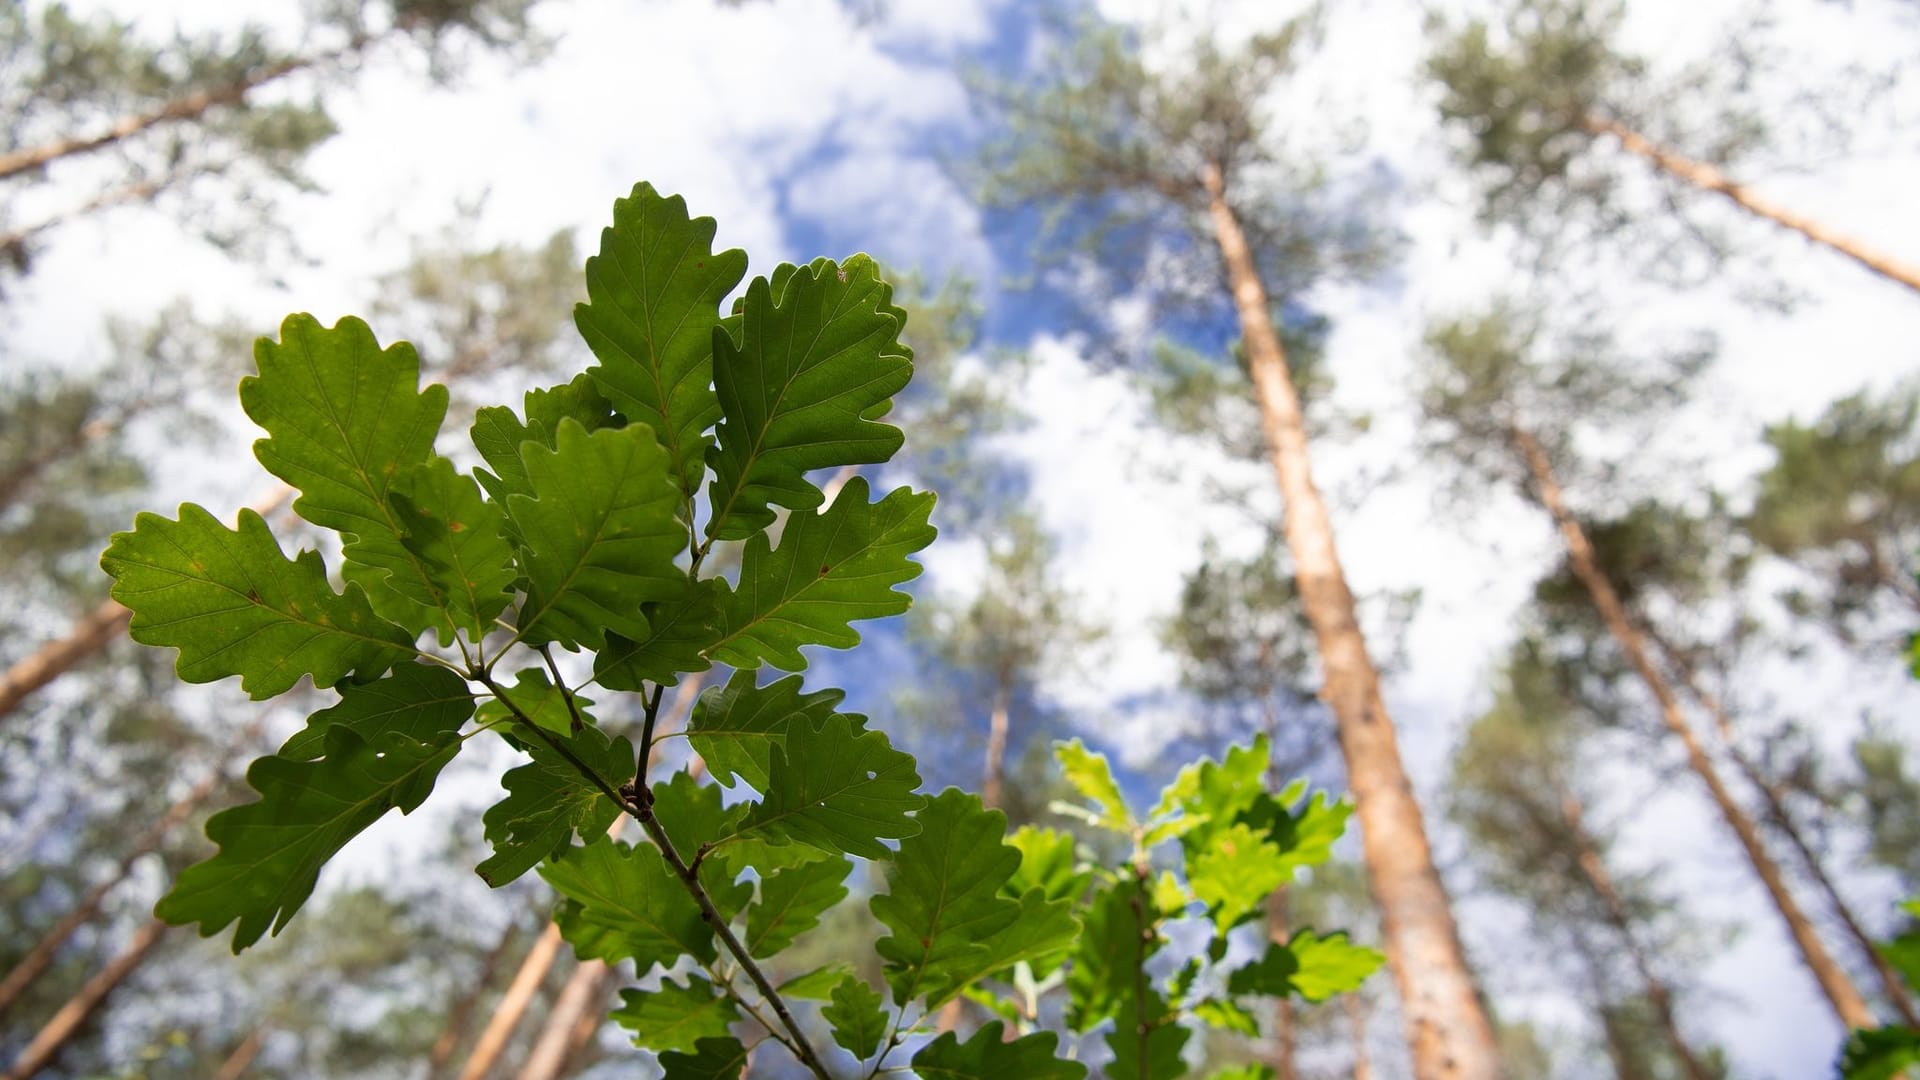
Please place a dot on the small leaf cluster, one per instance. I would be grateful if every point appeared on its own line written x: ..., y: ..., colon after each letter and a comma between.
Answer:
x: 1884, y: 1053
x: 594, y: 523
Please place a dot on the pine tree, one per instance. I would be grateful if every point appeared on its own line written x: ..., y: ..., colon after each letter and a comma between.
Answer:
x: 1189, y: 147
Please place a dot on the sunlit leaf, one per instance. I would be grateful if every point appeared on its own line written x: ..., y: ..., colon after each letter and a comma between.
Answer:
x: 989, y: 1055
x: 676, y: 1017
x: 837, y: 788
x: 856, y: 1018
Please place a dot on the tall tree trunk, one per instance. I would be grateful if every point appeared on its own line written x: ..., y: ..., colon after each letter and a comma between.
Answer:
x: 1285, y: 1018
x: 1356, y: 1005
x: 1834, y: 982
x: 99, y: 628
x: 182, y: 109
x: 579, y: 1000
x: 993, y: 776
x: 460, y: 1017
x: 53, y: 1036
x: 1600, y: 879
x: 238, y: 1062
x: 1709, y: 178
x: 513, y: 1004
x: 1788, y: 824
x: 37, y: 959
x: 1449, y: 1034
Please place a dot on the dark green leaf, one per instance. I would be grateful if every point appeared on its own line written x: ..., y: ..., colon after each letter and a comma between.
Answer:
x: 548, y: 803
x: 653, y: 303
x: 271, y: 851
x: 989, y: 1056
x: 717, y: 1059
x: 498, y: 434
x: 1118, y: 933
x: 816, y: 362
x: 623, y: 903
x: 1146, y: 1040
x: 343, y: 419
x: 233, y: 604
x: 678, y: 635
x: 815, y: 985
x: 676, y: 1017
x: 830, y: 569
x: 838, y: 789
x: 943, y: 898
x: 693, y: 815
x: 791, y: 902
x: 856, y: 1018
x: 599, y: 538
x: 735, y: 728
x: 537, y: 699
x: 457, y: 538
x: 421, y: 701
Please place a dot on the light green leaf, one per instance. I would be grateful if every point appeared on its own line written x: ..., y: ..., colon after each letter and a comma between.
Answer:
x: 838, y: 789
x: 1048, y: 863
x: 343, y: 419
x: 943, y: 898
x: 989, y: 1056
x: 623, y: 903
x: 653, y: 303
x: 791, y: 902
x: 675, y: 1017
x: 694, y: 815
x: 717, y: 1059
x: 735, y: 728
x: 1227, y: 1015
x: 1092, y: 777
x: 600, y: 537
x: 233, y: 604
x: 830, y: 569
x: 548, y: 803
x: 815, y: 363
x: 498, y: 434
x: 1244, y: 1072
x: 421, y: 701
x: 1235, y: 873
x: 678, y: 634
x: 855, y: 1017
x: 1312, y: 966
x: 272, y: 850
x: 457, y: 538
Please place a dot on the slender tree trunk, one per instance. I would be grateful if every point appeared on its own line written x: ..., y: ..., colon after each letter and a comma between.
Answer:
x: 1834, y: 982
x: 37, y: 959
x: 579, y: 1000
x: 1789, y: 826
x: 238, y: 1062
x: 1709, y: 178
x: 180, y: 110
x: 99, y: 628
x: 1285, y: 1018
x: 513, y: 1004
x: 460, y: 1017
x: 581, y: 1037
x: 1449, y: 1034
x: 1587, y: 856
x: 53, y: 1036
x: 1356, y: 1005
x: 993, y: 776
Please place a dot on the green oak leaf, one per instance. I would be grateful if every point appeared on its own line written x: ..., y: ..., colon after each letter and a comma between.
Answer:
x: 458, y: 539
x: 715, y: 1059
x: 537, y: 699
x: 943, y: 898
x: 1235, y: 873
x: 989, y: 1056
x: 1227, y: 1015
x: 1041, y: 935
x: 1048, y: 863
x: 1092, y: 777
x: 498, y: 433
x: 693, y: 815
x: 855, y: 1017
x: 835, y: 787
x: 791, y: 903
x: 1118, y: 933
x: 653, y: 303
x: 815, y: 363
x: 815, y: 985
x: 678, y: 634
x: 272, y: 850
x: 1244, y: 1072
x: 734, y: 728
x: 600, y: 537
x: 676, y: 1017
x: 548, y: 803
x: 234, y: 604
x: 624, y: 903
x: 1313, y: 966
x: 343, y: 418
x: 830, y: 569
x: 1880, y: 1053
x: 1146, y: 1040
x: 1903, y: 951
x: 421, y: 701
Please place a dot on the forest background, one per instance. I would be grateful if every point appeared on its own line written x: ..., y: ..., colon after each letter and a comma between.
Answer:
x: 439, y: 211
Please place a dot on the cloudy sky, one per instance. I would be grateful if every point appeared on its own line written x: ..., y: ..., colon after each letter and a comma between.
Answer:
x: 805, y: 130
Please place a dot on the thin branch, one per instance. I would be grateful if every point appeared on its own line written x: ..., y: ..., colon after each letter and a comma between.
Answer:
x: 566, y: 694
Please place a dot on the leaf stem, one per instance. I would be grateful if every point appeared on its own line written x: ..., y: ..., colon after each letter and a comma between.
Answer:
x: 725, y: 983
x: 553, y: 743
x: 646, y: 736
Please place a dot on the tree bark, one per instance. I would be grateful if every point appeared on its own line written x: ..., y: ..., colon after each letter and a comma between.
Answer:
x: 1356, y: 1005
x: 1834, y: 982
x: 37, y: 959
x: 238, y: 1062
x: 578, y: 1001
x: 1449, y: 1034
x: 1783, y: 819
x: 993, y: 776
x: 1709, y: 178
x: 53, y: 1036
x: 460, y: 1017
x: 1285, y: 1022
x: 1600, y: 879
x: 93, y: 633
x: 183, y: 109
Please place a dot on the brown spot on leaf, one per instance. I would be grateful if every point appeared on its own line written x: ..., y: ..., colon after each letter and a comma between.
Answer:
x: 456, y: 526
